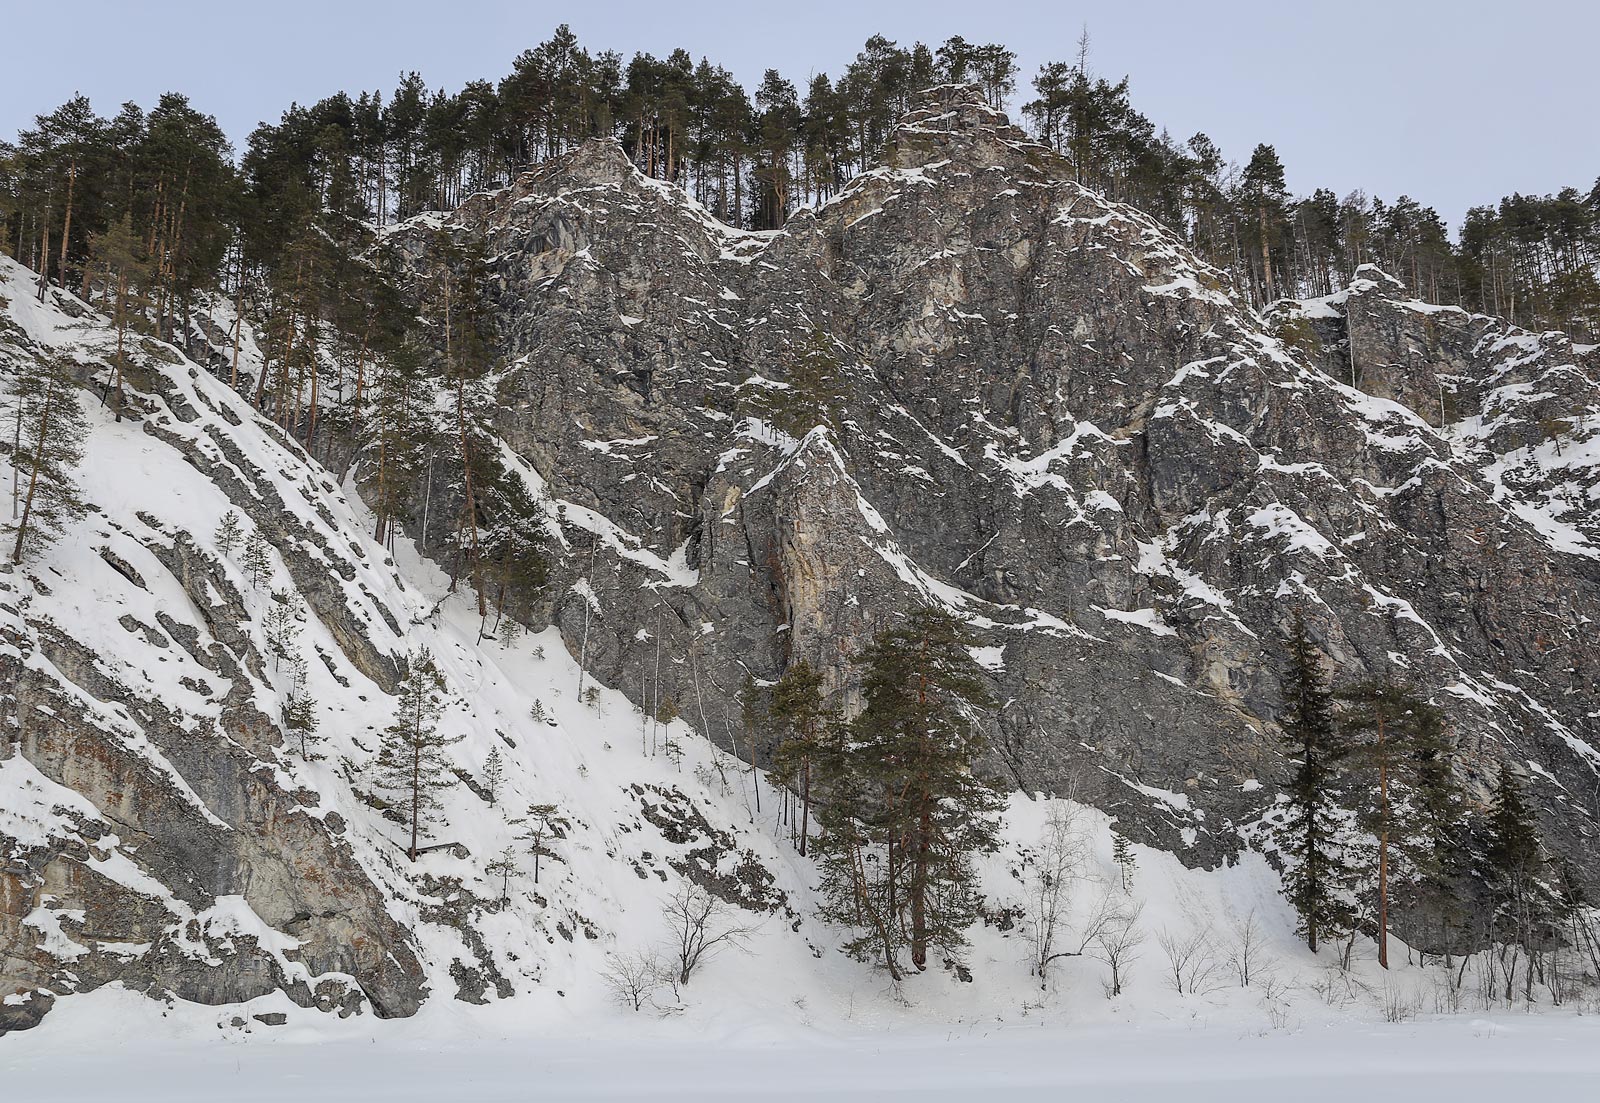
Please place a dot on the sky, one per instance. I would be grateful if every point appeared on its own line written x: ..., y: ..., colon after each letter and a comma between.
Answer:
x: 1454, y: 102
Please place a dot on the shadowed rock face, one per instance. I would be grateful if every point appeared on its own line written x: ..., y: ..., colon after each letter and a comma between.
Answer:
x: 968, y: 380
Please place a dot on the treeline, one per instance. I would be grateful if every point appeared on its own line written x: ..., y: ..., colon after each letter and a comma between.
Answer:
x: 203, y: 219
x: 1375, y: 820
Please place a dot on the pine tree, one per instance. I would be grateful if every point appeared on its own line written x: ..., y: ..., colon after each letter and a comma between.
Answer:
x: 411, y: 761
x: 282, y: 627
x: 503, y: 867
x: 300, y: 719
x: 494, y: 774
x: 1316, y: 880
x: 802, y: 719
x: 1385, y: 725
x: 47, y: 448
x: 544, y: 821
x: 118, y: 253
x: 256, y: 562
x: 905, y: 812
x: 228, y: 534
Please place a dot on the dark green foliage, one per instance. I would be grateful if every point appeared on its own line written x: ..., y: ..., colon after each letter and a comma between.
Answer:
x: 802, y: 720
x: 411, y: 761
x: 1402, y: 785
x: 255, y: 561
x: 285, y: 227
x: 543, y: 822
x: 46, y: 446
x: 904, y: 812
x: 1316, y: 880
x: 1520, y: 877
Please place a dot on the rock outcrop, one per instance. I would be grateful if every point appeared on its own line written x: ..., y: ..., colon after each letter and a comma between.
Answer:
x: 967, y: 380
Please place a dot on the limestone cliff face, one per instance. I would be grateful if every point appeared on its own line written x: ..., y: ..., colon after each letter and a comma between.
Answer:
x: 968, y: 380
x: 965, y: 381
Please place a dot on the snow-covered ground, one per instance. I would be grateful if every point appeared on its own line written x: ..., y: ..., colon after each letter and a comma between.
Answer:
x: 106, y: 1047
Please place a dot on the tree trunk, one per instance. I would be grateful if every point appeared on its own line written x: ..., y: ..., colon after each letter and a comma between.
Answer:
x: 1383, y: 850
x: 66, y: 228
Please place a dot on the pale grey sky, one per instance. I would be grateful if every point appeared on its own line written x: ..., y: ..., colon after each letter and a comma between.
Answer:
x: 1455, y: 102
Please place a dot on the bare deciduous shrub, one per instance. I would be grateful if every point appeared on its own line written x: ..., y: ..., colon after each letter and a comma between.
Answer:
x: 1117, y: 942
x: 1192, y: 964
x: 632, y: 978
x: 700, y: 926
x: 1056, y: 867
x: 1247, y: 956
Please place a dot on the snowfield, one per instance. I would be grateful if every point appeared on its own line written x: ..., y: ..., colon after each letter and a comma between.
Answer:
x: 474, y: 1057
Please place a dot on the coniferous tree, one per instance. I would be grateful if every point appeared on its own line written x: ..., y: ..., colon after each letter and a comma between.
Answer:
x: 494, y: 773
x: 1386, y: 725
x: 47, y: 447
x: 543, y: 821
x: 118, y: 253
x: 905, y: 813
x: 299, y: 709
x: 1122, y: 854
x: 1524, y: 906
x: 282, y: 625
x: 228, y: 534
x: 503, y: 866
x: 802, y: 719
x: 256, y: 561
x: 1316, y: 879
x: 411, y: 761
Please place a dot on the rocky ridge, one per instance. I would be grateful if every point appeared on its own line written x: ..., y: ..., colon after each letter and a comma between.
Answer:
x: 970, y: 381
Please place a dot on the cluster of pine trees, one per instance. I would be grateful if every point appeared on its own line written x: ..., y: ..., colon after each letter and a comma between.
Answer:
x: 157, y: 201
x: 1374, y: 818
x: 899, y: 810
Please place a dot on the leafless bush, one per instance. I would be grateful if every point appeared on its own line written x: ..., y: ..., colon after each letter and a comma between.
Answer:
x: 1192, y: 964
x: 701, y: 926
x: 1399, y: 1006
x: 1447, y: 994
x: 1057, y: 867
x: 1247, y: 956
x: 632, y: 978
x: 1117, y: 943
x: 1277, y: 1012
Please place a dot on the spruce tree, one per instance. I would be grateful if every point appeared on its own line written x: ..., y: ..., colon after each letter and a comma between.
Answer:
x: 47, y: 449
x: 1122, y: 854
x: 411, y: 761
x: 905, y: 811
x: 1524, y: 906
x: 1316, y: 880
x: 802, y: 719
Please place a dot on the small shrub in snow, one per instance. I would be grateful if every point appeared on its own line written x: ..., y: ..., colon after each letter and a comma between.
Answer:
x: 632, y: 978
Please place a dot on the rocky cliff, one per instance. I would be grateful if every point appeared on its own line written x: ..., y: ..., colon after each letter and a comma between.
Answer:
x: 965, y: 381
x: 968, y: 380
